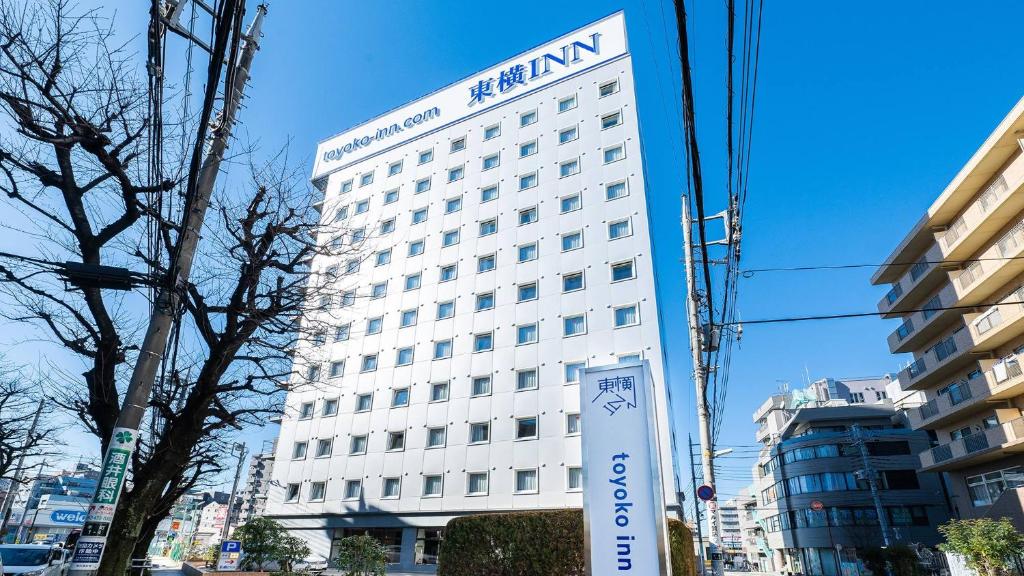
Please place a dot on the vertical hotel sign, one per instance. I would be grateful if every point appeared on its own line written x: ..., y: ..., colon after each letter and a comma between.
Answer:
x: 89, y: 549
x: 623, y: 507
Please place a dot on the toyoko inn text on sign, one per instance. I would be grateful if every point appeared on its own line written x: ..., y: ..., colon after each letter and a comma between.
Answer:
x: 598, y: 43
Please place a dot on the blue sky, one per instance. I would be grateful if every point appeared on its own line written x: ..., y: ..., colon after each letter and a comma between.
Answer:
x: 864, y: 112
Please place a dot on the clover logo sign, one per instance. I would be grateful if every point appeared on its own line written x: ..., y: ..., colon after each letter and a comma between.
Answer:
x: 123, y: 437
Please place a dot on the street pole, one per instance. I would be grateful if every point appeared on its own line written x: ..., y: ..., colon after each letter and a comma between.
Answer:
x: 696, y: 505
x: 90, y: 548
x: 19, y: 470
x: 700, y: 375
x: 242, y: 451
x: 869, y: 473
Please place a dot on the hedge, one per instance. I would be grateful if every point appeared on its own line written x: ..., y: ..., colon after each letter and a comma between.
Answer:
x: 544, y: 543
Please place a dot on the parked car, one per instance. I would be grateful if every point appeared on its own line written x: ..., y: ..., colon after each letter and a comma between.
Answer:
x: 32, y: 560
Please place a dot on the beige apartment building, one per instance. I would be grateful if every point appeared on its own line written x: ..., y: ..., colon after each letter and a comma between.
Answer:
x: 957, y: 283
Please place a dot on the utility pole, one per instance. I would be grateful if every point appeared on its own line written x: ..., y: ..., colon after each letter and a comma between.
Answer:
x: 19, y: 470
x: 700, y: 379
x: 870, y: 475
x: 90, y: 548
x: 242, y: 451
x: 696, y: 505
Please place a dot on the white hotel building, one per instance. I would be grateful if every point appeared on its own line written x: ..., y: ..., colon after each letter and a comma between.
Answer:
x: 507, y: 246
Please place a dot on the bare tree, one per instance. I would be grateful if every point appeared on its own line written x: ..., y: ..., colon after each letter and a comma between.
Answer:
x: 21, y: 443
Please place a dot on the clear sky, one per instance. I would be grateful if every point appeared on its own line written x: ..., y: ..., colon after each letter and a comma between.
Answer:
x: 864, y: 112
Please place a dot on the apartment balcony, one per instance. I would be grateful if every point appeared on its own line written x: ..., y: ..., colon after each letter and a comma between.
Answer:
x: 1006, y: 438
x: 940, y: 361
x: 920, y: 327
x: 997, y: 325
x: 989, y: 213
x: 919, y: 279
x: 992, y: 269
x: 1001, y: 379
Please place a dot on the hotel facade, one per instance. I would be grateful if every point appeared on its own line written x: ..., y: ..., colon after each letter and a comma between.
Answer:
x: 504, y: 247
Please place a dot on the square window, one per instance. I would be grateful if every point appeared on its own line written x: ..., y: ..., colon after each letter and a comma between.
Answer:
x: 313, y: 372
x: 357, y: 445
x: 450, y: 238
x: 485, y: 263
x: 435, y: 437
x: 341, y: 333
x: 455, y: 174
x: 570, y: 203
x: 408, y: 318
x: 419, y: 216
x: 492, y: 131
x: 572, y: 281
x: 439, y: 392
x: 433, y: 486
x: 353, y: 489
x: 615, y: 190
x: 383, y: 257
x: 403, y: 357
x: 399, y: 397
x: 337, y: 242
x: 362, y: 206
x: 387, y: 226
x: 391, y: 196
x: 452, y: 205
x: 629, y: 358
x: 458, y: 144
x: 488, y: 227
x: 484, y: 301
x: 608, y: 88
x: 319, y: 338
x: 358, y: 235
x: 491, y: 161
x: 614, y: 154
x: 574, y: 325
x: 572, y: 424
x: 291, y: 493
x: 364, y: 402
x: 480, y: 432
x: 526, y: 428
x: 426, y: 156
x: 610, y: 120
x: 528, y: 149
x: 527, y: 118
x: 449, y: 273
x: 527, y: 181
x: 366, y: 179
x: 374, y: 325
x: 299, y: 450
x: 316, y: 491
x: 392, y: 488
x: 324, y: 446
x: 416, y: 248
x: 568, y: 134
x: 442, y: 349
x: 476, y: 484
x: 341, y: 213
x: 369, y: 363
x: 567, y: 103
x: 526, y: 379
x: 330, y: 407
x: 572, y: 241
x: 574, y: 479
x: 422, y: 185
x: 527, y: 292
x: 445, y: 309
x: 337, y: 369
x: 626, y: 316
x: 527, y: 216
x: 489, y: 193
x: 483, y: 342
x: 395, y: 168
x: 528, y: 252
x: 481, y: 386
x: 352, y: 266
x: 412, y: 281
x: 348, y: 298
x: 346, y: 186
x: 526, y: 334
x: 574, y: 371
x: 619, y: 229
x: 569, y: 168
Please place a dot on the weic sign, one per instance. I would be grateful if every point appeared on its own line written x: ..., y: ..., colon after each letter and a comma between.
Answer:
x: 623, y: 506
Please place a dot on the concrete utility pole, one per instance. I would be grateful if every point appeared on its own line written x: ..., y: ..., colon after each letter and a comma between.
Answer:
x: 871, y: 476
x: 696, y: 506
x: 242, y: 451
x: 19, y: 471
x: 700, y: 379
x: 91, y: 545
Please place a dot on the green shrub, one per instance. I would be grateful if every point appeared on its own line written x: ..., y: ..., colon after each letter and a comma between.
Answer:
x: 987, y: 545
x: 680, y: 541
x: 362, y: 555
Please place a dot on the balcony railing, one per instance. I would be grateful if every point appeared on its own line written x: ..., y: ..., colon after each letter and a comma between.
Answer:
x: 905, y: 329
x: 894, y: 293
x: 972, y: 272
x: 1012, y: 240
x: 955, y: 231
x: 963, y: 450
x: 942, y: 453
x: 916, y: 368
x: 945, y: 348
x: 929, y: 409
x: 990, y: 197
x: 975, y: 442
x: 918, y: 269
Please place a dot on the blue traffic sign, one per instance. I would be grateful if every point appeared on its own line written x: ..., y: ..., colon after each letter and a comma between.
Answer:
x: 705, y: 492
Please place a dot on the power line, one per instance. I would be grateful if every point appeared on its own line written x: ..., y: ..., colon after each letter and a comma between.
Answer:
x: 748, y: 273
x: 865, y: 314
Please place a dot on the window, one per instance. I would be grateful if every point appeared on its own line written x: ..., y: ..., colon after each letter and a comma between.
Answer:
x: 574, y: 479
x: 570, y: 203
x: 491, y: 161
x: 622, y: 271
x: 574, y: 325
x: 442, y: 349
x: 323, y: 447
x: 330, y: 407
x: 492, y: 131
x: 856, y: 397
x: 526, y: 379
x: 364, y: 402
x: 452, y: 205
x: 399, y: 397
x: 572, y: 424
x: 572, y: 241
x: 455, y: 174
x: 403, y: 356
x: 449, y: 238
x: 353, y: 488
x: 435, y: 437
x: 426, y: 156
x: 485, y: 263
x: 900, y: 480
x: 626, y: 316
x: 316, y: 491
x: 526, y: 334
x: 412, y: 281
x: 387, y: 226
x: 357, y: 445
x: 337, y: 368
x: 396, y: 441
x: 527, y: 181
x: 527, y: 215
x: 419, y: 216
x: 608, y: 88
x: 610, y: 120
x: 348, y: 298
x: 476, y: 484
x: 392, y: 488
x: 568, y: 134
x: 881, y: 395
x: 572, y: 282
x: 408, y: 318
x: 458, y: 144
x: 341, y: 213
x: 484, y: 301
x: 374, y: 325
x: 569, y: 168
x: 481, y: 386
x: 362, y: 206
x: 567, y: 103
x: 986, y: 488
x: 614, y: 154
x: 449, y: 273
x: 527, y: 118
x: 299, y: 450
x: 358, y: 235
x: 483, y: 342
x: 378, y: 290
x: 526, y: 481
x: 391, y: 196
x: 395, y: 168
x: 369, y: 363
x: 432, y: 486
x: 313, y: 372
x: 291, y: 493
x: 527, y: 149
x: 445, y: 309
x: 615, y: 190
x: 480, y: 433
x: 528, y: 252
x: 488, y: 193
x: 488, y: 227
x: 573, y: 371
x: 366, y: 179
x: 352, y: 266
x: 346, y: 187
x: 422, y: 185
x: 619, y: 229
x: 527, y: 292
x: 439, y: 392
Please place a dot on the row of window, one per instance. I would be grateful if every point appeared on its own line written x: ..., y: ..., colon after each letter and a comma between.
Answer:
x: 527, y: 481
x: 846, y: 516
x: 986, y: 488
x: 879, y: 448
x: 837, y: 482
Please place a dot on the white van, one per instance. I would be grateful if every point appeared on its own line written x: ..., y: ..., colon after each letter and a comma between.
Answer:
x: 32, y: 560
